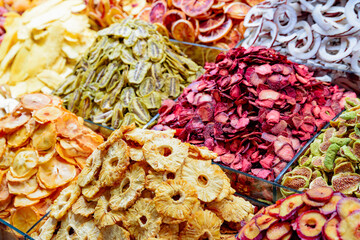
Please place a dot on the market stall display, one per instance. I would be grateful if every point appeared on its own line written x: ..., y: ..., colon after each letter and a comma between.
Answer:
x: 144, y: 184
x: 43, y: 147
x: 332, y: 158
x: 41, y: 47
x: 319, y: 213
x: 324, y: 33
x: 254, y: 108
x: 126, y: 74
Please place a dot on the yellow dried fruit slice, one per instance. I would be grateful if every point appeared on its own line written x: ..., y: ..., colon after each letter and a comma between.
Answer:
x: 40, y: 193
x: 65, y: 200
x: 68, y: 126
x: 5, y: 203
x: 11, y: 178
x: 71, y: 148
x: 35, y: 101
x: 93, y: 165
x: 10, y: 123
x: 20, y: 137
x: 24, y: 187
x: 43, y: 206
x: 4, y: 190
x: 44, y: 137
x: 136, y: 154
x: 7, y: 159
x: 2, y: 146
x: 47, y: 230
x: 24, y: 218
x: 80, y: 162
x: 47, y: 114
x: 25, y: 160
x: 103, y: 215
x: 115, y: 232
x: 201, y: 153
x: 56, y: 173
x: 63, y: 155
x: 43, y: 158
x: 22, y: 201
x: 154, y: 179
x: 140, y: 136
x: 83, y: 207
x: 93, y: 190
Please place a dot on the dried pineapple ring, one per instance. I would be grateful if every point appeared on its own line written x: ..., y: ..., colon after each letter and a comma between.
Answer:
x: 154, y: 179
x: 93, y: 164
x: 63, y: 155
x: 40, y: 193
x: 69, y: 226
x: 169, y: 232
x: 115, y: 232
x: 11, y: 123
x: 140, y: 136
x: 35, y: 101
x: 83, y: 207
x: 68, y: 126
x: 165, y: 154
x: 47, y: 114
x: 231, y: 209
x: 205, y: 177
x: 22, y: 201
x: 24, y: 187
x: 11, y: 178
x: 2, y: 146
x: 24, y: 218
x: 56, y: 173
x: 175, y: 199
x: 21, y: 136
x: 142, y: 220
x: 25, y: 160
x: 202, y: 224
x: 44, y: 137
x: 89, y: 230
x: 201, y: 153
x: 65, y: 200
x: 47, y: 230
x: 136, y: 154
x: 226, y: 191
x: 92, y: 191
x: 130, y: 188
x: 115, y: 163
x: 4, y: 190
x: 103, y: 217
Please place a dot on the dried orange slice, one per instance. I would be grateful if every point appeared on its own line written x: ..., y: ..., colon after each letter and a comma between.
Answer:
x: 172, y: 16
x: 218, y: 5
x: 40, y: 193
x: 20, y: 137
x: 242, y: 28
x: 24, y: 187
x: 161, y: 29
x: 11, y: 123
x: 254, y: 2
x: 196, y: 26
x: 183, y: 30
x: 212, y: 23
x: 237, y: 10
x: 158, y: 9
x: 2, y: 146
x: 25, y: 160
x: 194, y: 8
x: 63, y: 154
x: 176, y: 3
x: 44, y: 138
x: 68, y: 126
x: 217, y: 33
x: 47, y: 114
x: 24, y: 218
x: 22, y: 201
x: 144, y: 14
x: 56, y: 173
x: 35, y: 101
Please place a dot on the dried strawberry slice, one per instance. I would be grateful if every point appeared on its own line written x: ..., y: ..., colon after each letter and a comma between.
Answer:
x: 158, y: 9
x: 171, y: 17
x: 212, y: 23
x: 217, y: 33
x: 237, y: 10
x: 194, y: 8
x: 183, y: 30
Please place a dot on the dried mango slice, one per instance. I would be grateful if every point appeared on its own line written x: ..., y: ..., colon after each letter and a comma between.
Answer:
x: 24, y: 187
x: 56, y: 173
x: 25, y: 160
x: 44, y: 138
x: 47, y: 114
x: 23, y: 201
x: 24, y: 218
x: 10, y: 123
x: 20, y: 137
x: 68, y: 126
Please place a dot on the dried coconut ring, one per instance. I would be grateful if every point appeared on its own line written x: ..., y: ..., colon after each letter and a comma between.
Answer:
x: 35, y: 101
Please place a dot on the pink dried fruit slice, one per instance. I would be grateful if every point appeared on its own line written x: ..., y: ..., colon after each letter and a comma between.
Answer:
x: 217, y: 33
x: 346, y: 206
x: 312, y: 203
x: 310, y: 224
x: 177, y: 3
x: 158, y: 9
x: 349, y: 227
x: 321, y: 194
x: 329, y: 230
x: 330, y: 206
x: 264, y: 221
x: 278, y: 230
x: 250, y: 231
x: 194, y: 8
x: 290, y: 205
x: 212, y: 23
x: 35, y: 101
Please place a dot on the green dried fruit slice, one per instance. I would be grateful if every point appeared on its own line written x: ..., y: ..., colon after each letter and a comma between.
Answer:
x: 152, y: 100
x: 318, y: 182
x: 138, y: 72
x: 302, y: 171
x: 295, y: 182
x: 340, y: 141
x: 128, y: 119
x: 109, y: 72
x: 103, y: 117
x: 341, y: 131
x: 127, y: 95
x: 74, y: 99
x: 330, y: 157
x: 85, y: 105
x: 346, y: 183
x: 314, y: 147
x: 304, y: 161
x: 318, y: 162
x: 141, y: 32
x: 172, y: 87
x: 156, y: 73
x: 348, y: 115
x: 346, y: 151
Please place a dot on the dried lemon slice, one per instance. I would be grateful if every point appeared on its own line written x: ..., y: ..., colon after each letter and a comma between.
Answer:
x: 165, y: 154
x: 22, y: 201
x: 56, y: 173
x: 47, y: 114
x: 25, y: 160
x: 65, y: 200
x: 24, y: 218
x: 24, y: 187
x: 68, y: 126
x: 20, y: 137
x: 44, y: 137
x: 83, y: 207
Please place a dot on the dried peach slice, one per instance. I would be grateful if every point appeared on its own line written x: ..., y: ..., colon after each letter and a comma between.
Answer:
x: 11, y: 123
x: 217, y: 33
x: 194, y: 8
x: 144, y: 14
x: 56, y: 173
x: 20, y: 137
x: 35, y: 101
x: 183, y: 30
x: 172, y: 16
x: 44, y: 138
x: 237, y: 10
x: 47, y: 114
x: 23, y: 201
x: 24, y: 187
x: 212, y: 23
x: 25, y: 160
x: 68, y: 126
x: 2, y: 146
x: 24, y: 218
x: 40, y: 193
x: 158, y: 9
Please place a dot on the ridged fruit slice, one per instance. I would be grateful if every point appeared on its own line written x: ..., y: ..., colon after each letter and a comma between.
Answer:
x: 194, y: 8
x: 25, y: 160
x: 24, y: 218
x: 216, y: 34
x: 212, y: 23
x: 35, y: 101
x: 144, y: 14
x: 183, y: 30
x: 47, y: 114
x: 237, y: 10
x: 349, y: 227
x: 171, y: 17
x: 158, y: 10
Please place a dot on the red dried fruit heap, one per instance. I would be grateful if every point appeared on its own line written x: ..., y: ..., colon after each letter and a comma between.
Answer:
x: 254, y: 108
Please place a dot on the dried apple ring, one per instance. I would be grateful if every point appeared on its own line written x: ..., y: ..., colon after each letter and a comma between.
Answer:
x: 44, y: 138
x: 216, y: 34
x: 35, y: 101
x: 56, y: 173
x: 194, y: 8
x: 47, y: 114
x: 23, y: 201
x: 24, y: 218
x: 25, y: 160
x: 24, y: 187
x: 46, y: 156
x: 20, y: 137
x: 11, y: 123
x: 6, y: 159
x: 183, y: 30
x: 68, y: 126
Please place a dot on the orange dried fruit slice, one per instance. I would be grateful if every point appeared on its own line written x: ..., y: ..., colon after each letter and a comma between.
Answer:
x: 7, y: 159
x: 194, y: 8
x: 4, y: 190
x: 20, y: 137
x: 5, y: 203
x: 56, y: 173
x: 237, y: 10
x: 144, y: 14
x: 46, y: 156
x: 254, y: 2
x: 218, y: 5
x: 63, y: 154
x: 47, y: 114
x: 35, y: 101
x: 242, y: 28
x: 89, y: 140
x: 216, y: 34
x: 40, y: 193
x: 196, y: 26
x: 172, y: 16
x: 183, y: 30
x: 44, y: 138
x: 24, y: 218
x: 80, y: 162
x: 161, y: 29
x: 158, y: 9
x: 11, y: 178
x: 2, y: 146
x: 212, y: 23
x: 43, y: 206
x: 68, y: 126
x: 10, y: 123
x: 25, y: 160
x: 24, y: 187
x: 70, y: 148
x: 22, y: 201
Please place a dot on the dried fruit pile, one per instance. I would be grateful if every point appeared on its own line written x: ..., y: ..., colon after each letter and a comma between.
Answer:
x: 125, y: 75
x: 319, y: 213
x: 144, y: 184
x: 41, y: 47
x: 43, y: 147
x: 333, y: 158
x: 254, y: 108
